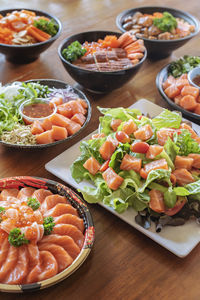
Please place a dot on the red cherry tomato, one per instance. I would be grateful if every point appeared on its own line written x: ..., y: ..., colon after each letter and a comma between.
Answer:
x: 139, y: 117
x: 139, y: 147
x: 122, y: 137
x: 178, y: 206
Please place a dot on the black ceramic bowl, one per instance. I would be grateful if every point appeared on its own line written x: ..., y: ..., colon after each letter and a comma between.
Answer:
x: 98, y: 82
x: 157, y: 49
x: 20, y: 54
x: 53, y: 83
x: 161, y: 77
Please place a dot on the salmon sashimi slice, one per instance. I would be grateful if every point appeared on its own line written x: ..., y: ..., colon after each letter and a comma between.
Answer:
x: 129, y: 127
x: 34, y: 254
x: 183, y: 176
x: 45, y: 137
x: 115, y: 124
x: 70, y: 230
x: 61, y: 209
x: 63, y: 259
x: 196, y: 160
x: 55, y: 100
x: 4, y: 248
x: 153, y: 151
x: 25, y: 193
x: 59, y: 133
x: 131, y: 163
x: 64, y: 110
x: 197, y: 109
x: 79, y: 118
x: 19, y: 272
x: 98, y: 136
x: 70, y: 219
x: 144, y: 133
x: 107, y: 149
x: 169, y: 81
x: 8, y: 193
x: 46, y: 124
x: 156, y: 164
x: 183, y: 162
x: 9, y: 263
x: 180, y: 83
x: 112, y: 179
x: 156, y: 201
x: 92, y: 165
x: 34, y: 232
x: 51, y: 201
x: 41, y: 194
x: 76, y: 107
x: 172, y: 91
x: 8, y: 224
x: 188, y: 102
x: 163, y: 134
x: 36, y: 127
x: 177, y: 99
x: 189, y: 128
x: 190, y: 90
x: 64, y: 241
x: 82, y: 102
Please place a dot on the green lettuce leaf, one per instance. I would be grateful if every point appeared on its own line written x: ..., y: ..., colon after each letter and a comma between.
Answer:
x: 171, y: 149
x: 185, y: 143
x: 167, y: 118
x: 159, y: 174
x: 118, y: 155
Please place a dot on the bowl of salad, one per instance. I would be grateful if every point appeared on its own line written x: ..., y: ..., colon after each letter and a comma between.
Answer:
x: 26, y: 33
x: 174, y: 86
x: 163, y: 29
x: 41, y: 113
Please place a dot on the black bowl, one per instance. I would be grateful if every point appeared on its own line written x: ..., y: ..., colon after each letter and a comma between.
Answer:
x: 20, y: 54
x: 157, y: 49
x: 53, y: 83
x: 161, y: 77
x: 98, y: 82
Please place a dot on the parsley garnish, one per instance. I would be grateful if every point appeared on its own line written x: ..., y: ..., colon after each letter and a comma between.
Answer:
x: 48, y: 224
x: 16, y: 238
x: 33, y: 203
x: 166, y: 23
x: 2, y: 209
x: 50, y: 27
x: 73, y: 51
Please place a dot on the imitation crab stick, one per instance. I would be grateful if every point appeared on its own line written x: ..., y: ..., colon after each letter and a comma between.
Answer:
x: 38, y: 34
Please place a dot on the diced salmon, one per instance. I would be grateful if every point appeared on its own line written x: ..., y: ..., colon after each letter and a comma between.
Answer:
x: 51, y: 201
x: 112, y: 179
x: 41, y: 194
x: 183, y: 162
x: 61, y: 209
x: 190, y: 90
x: 183, y: 176
x: 59, y: 120
x: 46, y: 124
x: 70, y: 230
x: 79, y: 118
x: 56, y: 100
x: 163, y: 134
x: 156, y: 164
x: 45, y: 137
x: 188, y: 102
x: 104, y: 166
x: 180, y: 83
x: 82, y: 102
x: 172, y: 91
x: 156, y: 201
x: 129, y: 127
x: 144, y: 133
x: 76, y: 107
x: 143, y: 173
x: 107, y: 149
x: 189, y: 128
x: 183, y: 76
x: 169, y: 81
x: 177, y: 99
x: 131, y: 163
x: 70, y: 219
x: 92, y: 165
x: 173, y: 179
x: 64, y: 110
x: 98, y: 136
x: 59, y: 133
x: 153, y: 151
x: 196, y: 160
x: 115, y: 124
x: 197, y: 109
x: 36, y: 127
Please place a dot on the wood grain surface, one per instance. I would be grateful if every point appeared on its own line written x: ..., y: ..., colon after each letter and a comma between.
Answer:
x: 124, y: 264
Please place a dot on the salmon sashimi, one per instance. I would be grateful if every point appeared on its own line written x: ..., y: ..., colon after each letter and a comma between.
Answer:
x: 153, y: 151
x: 61, y: 209
x: 70, y: 219
x: 144, y: 133
x: 196, y: 160
x: 183, y: 176
x: 183, y: 162
x: 190, y: 90
x: 156, y: 164
x: 56, y: 100
x: 131, y: 163
x: 46, y: 124
x: 8, y: 193
x: 177, y: 99
x: 98, y: 136
x: 180, y: 83
x: 156, y: 201
x: 112, y: 179
x: 129, y: 127
x: 76, y: 107
x: 107, y: 149
x: 163, y: 134
x: 51, y: 201
x: 197, y: 109
x: 64, y: 110
x: 41, y: 194
x: 25, y: 193
x: 45, y: 137
x: 104, y: 166
x: 70, y: 230
x: 82, y: 102
x: 63, y: 259
x: 79, y: 118
x: 188, y: 102
x: 4, y: 248
x: 172, y: 91
x: 34, y: 254
x: 9, y: 263
x: 92, y: 165
x: 59, y: 133
x: 189, y: 128
x: 64, y: 241
x: 169, y: 81
x: 36, y: 127
x: 115, y: 123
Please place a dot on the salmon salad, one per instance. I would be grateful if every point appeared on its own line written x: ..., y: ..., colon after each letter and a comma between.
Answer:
x: 149, y: 165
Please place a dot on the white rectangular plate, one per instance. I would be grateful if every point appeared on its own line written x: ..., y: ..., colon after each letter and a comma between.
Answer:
x: 179, y: 240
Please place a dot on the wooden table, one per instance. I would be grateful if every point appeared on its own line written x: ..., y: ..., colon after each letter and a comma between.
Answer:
x: 124, y: 264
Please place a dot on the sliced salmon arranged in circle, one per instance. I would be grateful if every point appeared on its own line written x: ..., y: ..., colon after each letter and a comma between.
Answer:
x: 51, y: 201
x: 153, y: 151
x: 183, y: 162
x: 112, y: 179
x: 63, y: 259
x: 4, y: 248
x: 64, y: 241
x: 183, y: 176
x: 156, y: 164
x: 9, y: 263
x: 70, y: 219
x: 61, y: 209
x: 131, y: 163
x: 92, y: 165
x: 8, y: 193
x: 41, y: 194
x: 34, y: 254
x: 196, y: 160
x: 25, y: 193
x: 70, y: 230
x: 163, y: 134
x: 144, y: 133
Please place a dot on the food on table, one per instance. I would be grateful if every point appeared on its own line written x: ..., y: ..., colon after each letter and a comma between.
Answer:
x: 183, y: 65
x: 41, y: 234
x: 150, y: 165
x: 109, y: 54
x: 24, y: 27
x: 157, y: 26
x: 48, y: 128
x: 196, y: 80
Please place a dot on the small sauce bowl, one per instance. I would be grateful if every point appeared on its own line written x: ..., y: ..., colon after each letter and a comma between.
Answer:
x: 194, y: 77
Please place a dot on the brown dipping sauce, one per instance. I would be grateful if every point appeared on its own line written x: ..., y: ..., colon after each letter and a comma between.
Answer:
x: 37, y: 110
x: 196, y: 80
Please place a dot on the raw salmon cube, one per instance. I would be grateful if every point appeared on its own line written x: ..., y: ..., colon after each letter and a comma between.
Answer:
x: 83, y: 103
x: 183, y: 76
x: 169, y: 81
x: 177, y: 99
x: 46, y: 124
x: 45, y: 137
x: 112, y: 179
x: 71, y: 126
x: 115, y: 124
x: 76, y: 107
x: 183, y: 162
x: 79, y: 118
x: 190, y: 90
x: 144, y: 133
x: 65, y: 110
x: 156, y: 201
x: 156, y: 164
x: 129, y: 127
x: 183, y: 176
x: 188, y: 127
x: 163, y: 134
x: 180, y: 83
x: 36, y: 127
x: 172, y: 91
x: 197, y: 109
x: 153, y: 151
x: 107, y: 149
x: 196, y: 160
x: 131, y: 163
x: 92, y: 165
x: 59, y: 133
x: 188, y: 102
x: 55, y: 100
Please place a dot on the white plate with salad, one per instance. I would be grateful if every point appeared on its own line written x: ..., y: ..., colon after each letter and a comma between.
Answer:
x: 134, y: 189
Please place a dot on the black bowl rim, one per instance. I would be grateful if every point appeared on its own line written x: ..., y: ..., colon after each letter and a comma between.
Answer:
x: 191, y: 17
x: 91, y: 71
x: 40, y: 146
x: 168, y: 100
x: 53, y: 38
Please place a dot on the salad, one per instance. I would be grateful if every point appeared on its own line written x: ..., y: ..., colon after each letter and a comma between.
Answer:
x: 149, y: 165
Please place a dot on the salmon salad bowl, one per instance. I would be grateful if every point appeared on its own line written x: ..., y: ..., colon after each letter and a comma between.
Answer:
x: 46, y: 233
x: 40, y: 113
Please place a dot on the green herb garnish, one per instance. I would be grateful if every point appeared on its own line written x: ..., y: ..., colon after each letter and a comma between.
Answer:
x: 186, y: 143
x: 48, y: 224
x: 73, y: 51
x: 166, y: 23
x: 16, y: 238
x: 183, y: 65
x: 50, y: 27
x: 2, y: 209
x: 33, y: 203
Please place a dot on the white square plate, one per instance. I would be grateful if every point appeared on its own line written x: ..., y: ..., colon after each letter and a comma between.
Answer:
x: 179, y: 240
